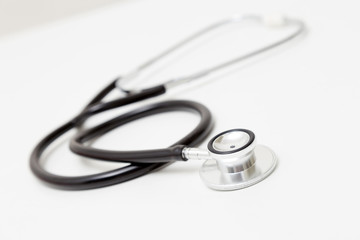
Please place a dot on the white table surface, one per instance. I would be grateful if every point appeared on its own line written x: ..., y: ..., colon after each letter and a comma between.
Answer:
x: 302, y: 101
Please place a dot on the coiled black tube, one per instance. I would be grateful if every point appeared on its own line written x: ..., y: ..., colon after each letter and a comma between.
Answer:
x: 142, y: 162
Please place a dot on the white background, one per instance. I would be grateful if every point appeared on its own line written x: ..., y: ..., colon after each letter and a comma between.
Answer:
x: 16, y: 15
x: 302, y: 101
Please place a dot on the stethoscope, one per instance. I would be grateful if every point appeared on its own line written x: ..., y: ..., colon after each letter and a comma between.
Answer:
x: 233, y: 160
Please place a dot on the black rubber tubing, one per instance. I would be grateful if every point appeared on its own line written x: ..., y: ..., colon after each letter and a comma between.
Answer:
x: 130, y: 171
x: 172, y: 153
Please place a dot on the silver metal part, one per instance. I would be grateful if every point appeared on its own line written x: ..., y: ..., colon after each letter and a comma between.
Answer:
x: 195, y: 154
x: 231, y: 141
x: 233, y: 160
x: 256, y: 166
x: 268, y: 21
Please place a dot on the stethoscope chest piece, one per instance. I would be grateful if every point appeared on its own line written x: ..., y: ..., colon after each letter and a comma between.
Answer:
x: 236, y: 161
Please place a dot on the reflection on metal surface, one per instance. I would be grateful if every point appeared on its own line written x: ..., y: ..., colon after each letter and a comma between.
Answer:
x: 264, y: 162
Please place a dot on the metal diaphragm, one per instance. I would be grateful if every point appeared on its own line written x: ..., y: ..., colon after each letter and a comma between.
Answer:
x: 236, y: 161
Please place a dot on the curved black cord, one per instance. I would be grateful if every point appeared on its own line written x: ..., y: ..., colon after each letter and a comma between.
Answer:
x: 173, y: 153
x: 120, y: 174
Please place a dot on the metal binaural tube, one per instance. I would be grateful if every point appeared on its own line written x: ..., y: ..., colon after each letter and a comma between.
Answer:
x: 267, y: 21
